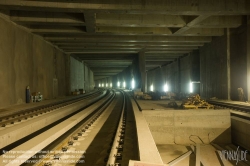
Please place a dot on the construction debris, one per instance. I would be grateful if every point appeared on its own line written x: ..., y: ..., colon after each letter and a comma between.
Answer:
x: 146, y: 97
x: 195, y: 102
x: 172, y: 104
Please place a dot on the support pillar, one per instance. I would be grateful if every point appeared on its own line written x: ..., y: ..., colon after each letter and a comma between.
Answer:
x: 179, y: 76
x: 146, y: 82
x: 228, y: 66
x: 142, y: 67
x: 248, y: 59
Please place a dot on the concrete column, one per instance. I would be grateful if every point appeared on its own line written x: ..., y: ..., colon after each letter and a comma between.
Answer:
x: 228, y: 66
x: 68, y: 76
x: 142, y: 67
x: 179, y: 75
x: 146, y: 82
x: 84, y: 79
x: 248, y: 59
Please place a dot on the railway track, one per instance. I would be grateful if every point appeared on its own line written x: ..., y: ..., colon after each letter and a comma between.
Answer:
x: 22, y: 115
x: 239, y: 110
x: 95, y: 135
x: 12, y: 135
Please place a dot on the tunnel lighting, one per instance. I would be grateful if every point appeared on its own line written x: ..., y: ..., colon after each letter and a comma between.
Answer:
x: 107, y: 85
x: 133, y: 84
x: 102, y: 85
x: 124, y: 84
x: 152, y: 88
x: 99, y: 85
x: 191, y: 87
x: 110, y: 85
x: 165, y: 88
x: 118, y: 84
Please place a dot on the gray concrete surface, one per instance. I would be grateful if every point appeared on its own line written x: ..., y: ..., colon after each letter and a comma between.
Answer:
x: 76, y: 74
x: 27, y: 59
x: 241, y: 132
x: 147, y: 147
x: 185, y: 126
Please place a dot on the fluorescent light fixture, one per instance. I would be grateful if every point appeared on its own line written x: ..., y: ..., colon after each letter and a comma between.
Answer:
x: 99, y: 85
x: 152, y: 88
x: 110, y: 85
x: 124, y: 84
x: 191, y: 87
x: 133, y: 83
x: 102, y: 85
x: 165, y: 88
x: 118, y: 84
x: 107, y: 85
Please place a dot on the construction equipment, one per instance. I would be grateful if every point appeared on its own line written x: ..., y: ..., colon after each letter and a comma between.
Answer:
x: 195, y: 102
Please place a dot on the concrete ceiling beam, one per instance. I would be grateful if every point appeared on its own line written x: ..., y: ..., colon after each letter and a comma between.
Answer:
x: 31, y: 17
x: 37, y: 20
x: 180, y: 7
x: 136, y: 20
x: 105, y: 70
x: 104, y: 74
x: 100, y: 51
x: 90, y: 21
x: 159, y: 60
x: 57, y: 31
x: 167, y: 52
x: 132, y: 38
x: 220, y: 22
x: 100, y: 68
x: 203, y: 32
x: 100, y: 48
x: 161, y: 31
x: 191, y: 23
x: 109, y: 61
x: 127, y: 47
x: 106, y: 56
x: 127, y: 44
x: 134, y: 30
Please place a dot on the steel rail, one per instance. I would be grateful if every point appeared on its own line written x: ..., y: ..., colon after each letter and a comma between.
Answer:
x: 114, y: 155
x: 30, y: 113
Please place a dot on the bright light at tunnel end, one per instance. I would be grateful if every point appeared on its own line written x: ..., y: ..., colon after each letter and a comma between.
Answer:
x: 133, y: 84
x: 165, y: 88
x: 152, y: 88
x: 124, y: 84
x: 191, y: 87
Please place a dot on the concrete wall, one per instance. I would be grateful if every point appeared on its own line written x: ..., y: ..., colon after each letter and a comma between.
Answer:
x: 241, y: 132
x: 81, y: 76
x: 190, y: 72
x: 26, y: 59
x: 188, y: 68
x: 238, y: 52
x: 187, y: 127
x: 76, y: 74
x: 213, y: 62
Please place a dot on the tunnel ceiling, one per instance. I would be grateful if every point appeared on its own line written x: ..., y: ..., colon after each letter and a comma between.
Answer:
x: 108, y: 35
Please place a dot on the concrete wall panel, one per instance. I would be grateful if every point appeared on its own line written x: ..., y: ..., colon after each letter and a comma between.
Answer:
x: 214, y: 68
x: 26, y: 59
x: 241, y: 132
x: 76, y: 74
x: 189, y: 71
x: 238, y: 50
x: 187, y: 127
